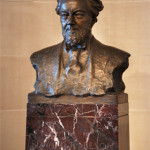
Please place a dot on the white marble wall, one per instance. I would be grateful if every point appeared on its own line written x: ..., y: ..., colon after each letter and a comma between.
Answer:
x: 29, y: 25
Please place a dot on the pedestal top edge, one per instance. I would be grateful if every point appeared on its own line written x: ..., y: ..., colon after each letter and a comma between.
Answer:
x: 112, y: 98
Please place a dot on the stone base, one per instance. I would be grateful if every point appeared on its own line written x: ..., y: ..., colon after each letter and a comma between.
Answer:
x: 77, y: 123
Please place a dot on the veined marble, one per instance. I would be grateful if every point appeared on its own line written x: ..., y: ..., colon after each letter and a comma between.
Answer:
x: 72, y: 126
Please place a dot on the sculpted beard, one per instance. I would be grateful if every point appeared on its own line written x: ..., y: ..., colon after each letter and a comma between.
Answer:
x: 77, y: 37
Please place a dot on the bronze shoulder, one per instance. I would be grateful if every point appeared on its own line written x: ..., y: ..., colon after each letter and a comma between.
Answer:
x: 38, y: 56
x: 110, y: 51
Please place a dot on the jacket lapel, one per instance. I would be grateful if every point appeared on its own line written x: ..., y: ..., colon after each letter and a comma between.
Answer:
x: 99, y: 58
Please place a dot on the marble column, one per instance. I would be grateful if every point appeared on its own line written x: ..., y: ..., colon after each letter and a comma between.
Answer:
x: 77, y: 123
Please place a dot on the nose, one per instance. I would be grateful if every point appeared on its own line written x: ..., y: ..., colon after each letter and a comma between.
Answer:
x: 71, y: 20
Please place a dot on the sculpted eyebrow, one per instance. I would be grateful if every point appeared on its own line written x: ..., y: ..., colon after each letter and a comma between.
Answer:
x: 83, y: 11
x: 63, y: 11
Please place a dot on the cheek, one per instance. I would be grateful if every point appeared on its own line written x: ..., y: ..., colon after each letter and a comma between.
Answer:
x: 83, y: 23
x: 63, y: 23
x: 80, y: 23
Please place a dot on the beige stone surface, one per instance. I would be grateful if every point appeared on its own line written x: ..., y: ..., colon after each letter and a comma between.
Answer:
x: 13, y: 130
x: 139, y: 130
x: 29, y: 25
x: 17, y: 76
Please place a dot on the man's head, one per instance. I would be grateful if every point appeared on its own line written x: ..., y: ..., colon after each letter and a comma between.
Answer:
x: 94, y: 6
x: 77, y: 19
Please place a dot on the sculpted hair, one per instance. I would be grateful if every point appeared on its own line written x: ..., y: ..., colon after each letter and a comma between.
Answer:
x: 95, y: 6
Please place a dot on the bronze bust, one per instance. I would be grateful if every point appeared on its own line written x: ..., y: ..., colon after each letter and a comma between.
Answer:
x: 80, y: 65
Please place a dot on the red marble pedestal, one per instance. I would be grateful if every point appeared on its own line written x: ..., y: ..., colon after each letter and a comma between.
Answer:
x: 77, y: 123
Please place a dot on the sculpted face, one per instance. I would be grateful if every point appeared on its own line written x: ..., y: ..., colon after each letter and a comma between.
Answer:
x: 76, y: 21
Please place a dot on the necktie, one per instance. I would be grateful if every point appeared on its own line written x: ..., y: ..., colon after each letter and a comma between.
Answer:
x: 73, y: 67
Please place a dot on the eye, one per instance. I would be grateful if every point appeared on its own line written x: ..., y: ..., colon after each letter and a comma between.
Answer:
x: 79, y: 15
x: 64, y: 15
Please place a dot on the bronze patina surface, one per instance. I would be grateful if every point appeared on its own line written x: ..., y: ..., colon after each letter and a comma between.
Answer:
x: 80, y: 64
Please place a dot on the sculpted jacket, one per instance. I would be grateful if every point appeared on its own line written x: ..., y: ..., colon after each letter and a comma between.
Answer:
x: 102, y: 73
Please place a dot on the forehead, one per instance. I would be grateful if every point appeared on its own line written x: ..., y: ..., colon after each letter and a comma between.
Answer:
x: 73, y: 5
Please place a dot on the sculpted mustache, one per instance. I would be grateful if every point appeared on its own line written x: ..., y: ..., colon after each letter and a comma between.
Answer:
x: 71, y: 28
